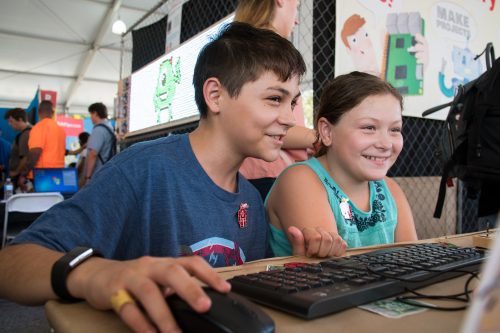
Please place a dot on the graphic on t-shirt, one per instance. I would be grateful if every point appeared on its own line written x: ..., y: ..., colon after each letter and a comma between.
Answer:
x: 219, y: 252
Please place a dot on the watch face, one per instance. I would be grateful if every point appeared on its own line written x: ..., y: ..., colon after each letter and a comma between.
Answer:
x: 81, y: 255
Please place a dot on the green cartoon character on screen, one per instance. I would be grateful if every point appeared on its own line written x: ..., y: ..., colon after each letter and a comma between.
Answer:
x: 168, y: 79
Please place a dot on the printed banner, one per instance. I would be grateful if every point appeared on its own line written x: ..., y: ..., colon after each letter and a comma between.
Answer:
x: 423, y: 48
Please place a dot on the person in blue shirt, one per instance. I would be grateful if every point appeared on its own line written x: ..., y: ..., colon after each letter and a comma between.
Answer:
x: 5, y: 149
x: 344, y: 191
x: 163, y: 212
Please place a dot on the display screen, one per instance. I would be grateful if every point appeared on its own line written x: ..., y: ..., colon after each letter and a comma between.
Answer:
x: 162, y: 92
x: 63, y: 180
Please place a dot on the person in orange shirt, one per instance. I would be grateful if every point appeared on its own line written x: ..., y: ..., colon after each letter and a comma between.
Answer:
x: 47, y: 143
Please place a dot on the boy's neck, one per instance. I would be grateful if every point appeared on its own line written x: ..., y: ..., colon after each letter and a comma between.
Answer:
x: 215, y: 158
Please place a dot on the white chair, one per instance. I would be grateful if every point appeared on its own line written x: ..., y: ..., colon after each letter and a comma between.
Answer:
x: 28, y: 203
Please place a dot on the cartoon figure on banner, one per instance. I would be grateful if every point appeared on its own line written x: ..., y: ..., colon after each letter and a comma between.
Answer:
x: 405, y: 50
x: 465, y: 69
x: 168, y: 79
x: 359, y: 45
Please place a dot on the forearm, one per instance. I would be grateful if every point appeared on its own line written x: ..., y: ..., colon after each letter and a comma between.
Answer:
x: 90, y: 163
x: 32, y: 159
x: 76, y: 151
x: 22, y: 165
x: 299, y: 137
x: 25, y: 273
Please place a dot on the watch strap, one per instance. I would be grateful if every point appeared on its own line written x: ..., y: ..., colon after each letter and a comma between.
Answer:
x: 64, y: 266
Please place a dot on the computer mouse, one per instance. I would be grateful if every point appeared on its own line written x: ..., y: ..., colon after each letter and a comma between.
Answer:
x: 229, y: 313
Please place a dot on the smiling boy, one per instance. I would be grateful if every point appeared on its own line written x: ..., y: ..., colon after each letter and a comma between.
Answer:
x: 171, y: 197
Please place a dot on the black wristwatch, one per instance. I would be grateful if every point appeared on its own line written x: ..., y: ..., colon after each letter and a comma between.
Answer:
x: 64, y: 266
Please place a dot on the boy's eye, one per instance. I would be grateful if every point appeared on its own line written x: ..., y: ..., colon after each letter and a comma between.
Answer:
x: 396, y: 130
x: 368, y: 127
x: 276, y: 99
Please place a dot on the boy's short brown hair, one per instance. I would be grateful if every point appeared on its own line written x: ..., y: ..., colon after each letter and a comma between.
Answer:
x: 240, y: 54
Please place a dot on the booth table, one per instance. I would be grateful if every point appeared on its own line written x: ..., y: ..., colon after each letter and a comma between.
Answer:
x: 81, y: 318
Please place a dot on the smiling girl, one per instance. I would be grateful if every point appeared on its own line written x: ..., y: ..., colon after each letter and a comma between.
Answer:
x: 343, y: 195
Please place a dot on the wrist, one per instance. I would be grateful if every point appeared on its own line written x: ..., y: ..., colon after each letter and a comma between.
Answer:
x: 78, y: 278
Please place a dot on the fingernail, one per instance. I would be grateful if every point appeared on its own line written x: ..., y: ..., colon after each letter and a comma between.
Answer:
x: 203, y: 302
x: 226, y: 285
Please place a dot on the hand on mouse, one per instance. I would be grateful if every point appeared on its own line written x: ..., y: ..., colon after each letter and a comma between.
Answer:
x: 146, y: 280
x: 316, y: 242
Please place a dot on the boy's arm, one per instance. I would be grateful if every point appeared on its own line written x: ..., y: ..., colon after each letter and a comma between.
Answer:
x: 25, y: 278
x: 405, y: 229
x: 18, y: 280
x: 299, y: 206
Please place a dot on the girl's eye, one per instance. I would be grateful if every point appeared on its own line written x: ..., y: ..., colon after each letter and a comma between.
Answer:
x: 369, y: 128
x: 294, y: 104
x: 396, y: 130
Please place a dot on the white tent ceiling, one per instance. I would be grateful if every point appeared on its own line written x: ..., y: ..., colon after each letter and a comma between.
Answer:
x: 63, y: 45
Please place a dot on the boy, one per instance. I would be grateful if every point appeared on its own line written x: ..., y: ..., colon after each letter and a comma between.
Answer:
x: 171, y: 197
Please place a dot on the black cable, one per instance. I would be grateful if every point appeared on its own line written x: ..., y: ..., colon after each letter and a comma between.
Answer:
x: 461, y: 297
x: 449, y: 270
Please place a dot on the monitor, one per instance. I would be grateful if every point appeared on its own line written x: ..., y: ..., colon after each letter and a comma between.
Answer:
x: 63, y: 180
x: 162, y: 93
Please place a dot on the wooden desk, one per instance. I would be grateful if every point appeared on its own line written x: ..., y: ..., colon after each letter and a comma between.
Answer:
x: 80, y: 317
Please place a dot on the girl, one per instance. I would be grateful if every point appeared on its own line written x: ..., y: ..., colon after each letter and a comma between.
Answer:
x: 344, y: 190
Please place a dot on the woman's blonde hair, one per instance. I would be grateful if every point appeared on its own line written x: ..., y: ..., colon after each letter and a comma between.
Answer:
x: 258, y: 13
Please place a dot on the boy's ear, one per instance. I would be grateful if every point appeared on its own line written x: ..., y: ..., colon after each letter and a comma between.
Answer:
x: 280, y: 3
x: 212, y: 93
x: 325, y: 131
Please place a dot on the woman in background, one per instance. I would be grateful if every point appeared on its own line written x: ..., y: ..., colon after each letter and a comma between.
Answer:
x: 344, y: 191
x: 281, y: 17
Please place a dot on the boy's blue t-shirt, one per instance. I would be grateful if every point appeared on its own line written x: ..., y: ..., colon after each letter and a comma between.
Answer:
x: 155, y: 199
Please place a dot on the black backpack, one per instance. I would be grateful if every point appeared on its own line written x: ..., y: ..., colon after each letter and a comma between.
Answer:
x: 112, y: 152
x: 470, y: 141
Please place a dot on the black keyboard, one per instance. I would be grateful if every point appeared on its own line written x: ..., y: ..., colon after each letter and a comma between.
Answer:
x: 314, y: 290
